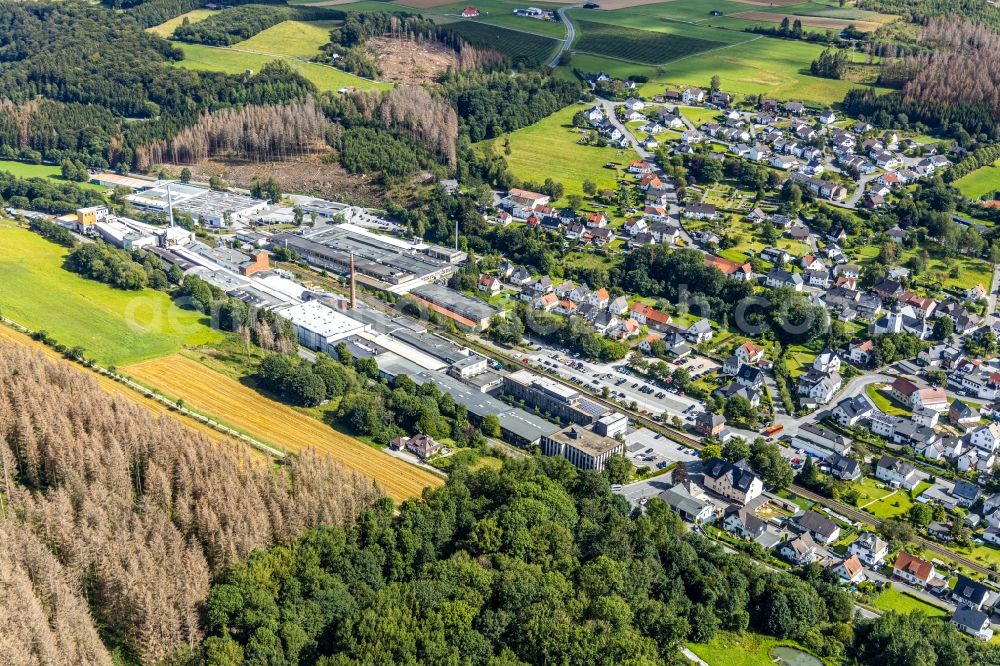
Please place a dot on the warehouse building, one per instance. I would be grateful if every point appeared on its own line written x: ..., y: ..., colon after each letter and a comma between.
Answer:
x: 552, y: 397
x: 465, y: 310
x: 210, y: 208
x: 320, y: 327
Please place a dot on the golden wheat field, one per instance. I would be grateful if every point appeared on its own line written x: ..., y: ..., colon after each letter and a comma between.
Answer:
x: 244, y: 409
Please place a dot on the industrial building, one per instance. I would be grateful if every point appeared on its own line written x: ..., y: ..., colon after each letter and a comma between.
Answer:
x: 211, y: 208
x: 517, y: 426
x: 320, y: 327
x: 465, y: 310
x: 381, y: 261
x: 584, y: 448
x: 552, y: 397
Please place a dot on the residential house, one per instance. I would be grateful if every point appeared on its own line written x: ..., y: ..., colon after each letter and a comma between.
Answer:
x: 913, y: 569
x: 966, y: 494
x: 699, y: 211
x: 750, y: 353
x: 619, y: 306
x: 693, y: 96
x: 489, y: 284
x: 896, y: 472
x: 700, y: 331
x: 850, y: 571
x: 651, y: 317
x: 870, y: 549
x: 986, y: 437
x: 731, y: 269
x: 777, y: 278
x: 849, y: 411
x: 734, y: 481
x: 860, y: 353
x: 843, y: 468
x: 822, y: 529
x: 689, y: 503
x: 423, y: 446
x: 818, y: 388
x: 960, y: 413
x: 801, y: 550
x: 708, y: 424
x: 973, y: 622
x: 743, y: 522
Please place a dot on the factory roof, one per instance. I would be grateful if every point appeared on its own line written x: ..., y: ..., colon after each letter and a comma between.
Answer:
x: 321, y: 320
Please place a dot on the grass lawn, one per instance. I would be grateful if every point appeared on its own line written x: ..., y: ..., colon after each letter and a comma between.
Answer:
x: 549, y: 149
x: 24, y: 170
x: 778, y: 68
x: 894, y: 600
x: 799, y: 360
x: 983, y: 181
x: 300, y: 39
x: 166, y: 29
x: 698, y: 115
x: 231, y: 61
x: 590, y: 260
x: 880, y: 397
x: 885, y: 502
x: 114, y: 326
x: 729, y: 648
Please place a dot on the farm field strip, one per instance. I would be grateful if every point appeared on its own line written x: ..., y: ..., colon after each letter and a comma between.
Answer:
x: 517, y: 45
x: 983, y: 181
x: 810, y: 21
x: 217, y: 395
x: 549, y: 148
x: 643, y: 46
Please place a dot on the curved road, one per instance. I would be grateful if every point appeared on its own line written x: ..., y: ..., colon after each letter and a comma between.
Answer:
x: 570, y: 34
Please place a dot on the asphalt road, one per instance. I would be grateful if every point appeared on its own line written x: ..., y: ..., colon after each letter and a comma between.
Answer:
x: 570, y: 34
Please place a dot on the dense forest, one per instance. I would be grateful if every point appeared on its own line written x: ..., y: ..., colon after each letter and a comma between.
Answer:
x: 114, y: 522
x: 75, y: 74
x: 537, y: 563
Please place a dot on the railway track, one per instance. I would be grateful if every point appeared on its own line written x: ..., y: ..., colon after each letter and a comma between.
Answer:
x: 860, y: 516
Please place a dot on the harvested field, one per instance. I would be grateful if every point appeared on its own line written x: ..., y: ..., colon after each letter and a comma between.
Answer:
x: 244, y: 409
x: 810, y: 21
x: 409, y: 62
x: 302, y: 174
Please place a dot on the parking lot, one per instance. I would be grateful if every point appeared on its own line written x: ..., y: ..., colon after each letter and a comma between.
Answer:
x: 654, y: 451
x: 623, y: 386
